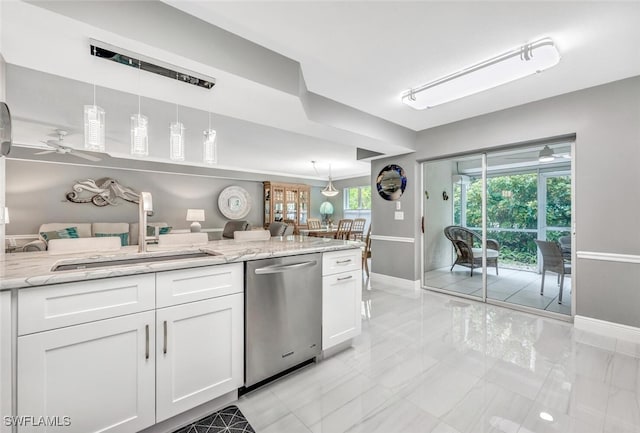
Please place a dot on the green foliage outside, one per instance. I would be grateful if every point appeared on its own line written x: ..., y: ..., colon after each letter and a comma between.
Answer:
x: 512, y: 203
x: 359, y: 197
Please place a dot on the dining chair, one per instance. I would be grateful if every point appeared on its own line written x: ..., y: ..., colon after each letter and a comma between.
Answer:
x: 357, y: 231
x: 366, y: 251
x: 278, y: 228
x: 344, y: 229
x: 553, y: 260
x: 293, y: 224
x: 314, y: 224
x: 233, y: 226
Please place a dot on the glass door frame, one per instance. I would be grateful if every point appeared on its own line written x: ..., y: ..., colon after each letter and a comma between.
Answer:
x: 484, y: 299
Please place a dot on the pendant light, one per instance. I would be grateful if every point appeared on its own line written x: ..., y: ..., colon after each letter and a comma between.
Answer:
x: 94, y: 124
x: 210, y: 149
x: 329, y: 190
x: 176, y: 139
x: 139, y: 129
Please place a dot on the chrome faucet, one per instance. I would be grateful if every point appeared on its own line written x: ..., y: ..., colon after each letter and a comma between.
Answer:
x: 145, y: 205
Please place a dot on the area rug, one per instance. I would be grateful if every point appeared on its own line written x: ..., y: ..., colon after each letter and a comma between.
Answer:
x: 227, y: 420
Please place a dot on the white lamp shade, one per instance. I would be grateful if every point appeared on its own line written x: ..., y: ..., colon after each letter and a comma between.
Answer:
x: 195, y: 214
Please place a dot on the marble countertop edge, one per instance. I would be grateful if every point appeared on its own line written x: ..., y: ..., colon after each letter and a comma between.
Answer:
x: 24, y: 270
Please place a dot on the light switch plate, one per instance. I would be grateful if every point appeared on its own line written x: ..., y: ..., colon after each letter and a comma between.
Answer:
x: 399, y: 215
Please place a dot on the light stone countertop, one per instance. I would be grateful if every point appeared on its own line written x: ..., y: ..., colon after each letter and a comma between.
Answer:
x: 22, y: 270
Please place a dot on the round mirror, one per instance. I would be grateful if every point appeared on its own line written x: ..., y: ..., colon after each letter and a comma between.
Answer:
x: 391, y: 182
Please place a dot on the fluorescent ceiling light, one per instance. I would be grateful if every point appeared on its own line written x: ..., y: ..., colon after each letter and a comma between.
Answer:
x: 510, y: 66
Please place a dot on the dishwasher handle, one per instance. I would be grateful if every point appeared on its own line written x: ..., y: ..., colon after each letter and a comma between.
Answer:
x: 278, y: 269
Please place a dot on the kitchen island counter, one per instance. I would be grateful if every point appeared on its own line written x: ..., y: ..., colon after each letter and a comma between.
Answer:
x: 35, y: 269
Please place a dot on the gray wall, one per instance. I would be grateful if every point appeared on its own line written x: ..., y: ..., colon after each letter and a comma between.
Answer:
x: 36, y: 194
x: 606, y: 121
x: 397, y: 259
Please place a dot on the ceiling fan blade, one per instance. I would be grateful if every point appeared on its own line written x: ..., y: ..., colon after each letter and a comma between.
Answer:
x: 45, y: 152
x: 85, y: 156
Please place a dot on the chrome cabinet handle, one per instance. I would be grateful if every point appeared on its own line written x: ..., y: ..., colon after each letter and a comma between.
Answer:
x: 277, y: 269
x: 164, y: 350
x: 339, y: 262
x: 344, y: 278
x: 146, y: 341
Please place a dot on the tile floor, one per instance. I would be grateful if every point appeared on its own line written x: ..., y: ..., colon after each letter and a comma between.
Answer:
x: 433, y: 363
x: 512, y: 285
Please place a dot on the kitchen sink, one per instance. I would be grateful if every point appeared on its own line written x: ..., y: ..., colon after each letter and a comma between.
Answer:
x: 75, y: 265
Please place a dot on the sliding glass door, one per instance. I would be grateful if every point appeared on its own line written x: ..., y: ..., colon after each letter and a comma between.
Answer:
x: 516, y: 201
x: 453, y: 227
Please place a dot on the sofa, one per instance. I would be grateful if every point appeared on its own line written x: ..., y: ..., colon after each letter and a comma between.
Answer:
x: 86, y: 230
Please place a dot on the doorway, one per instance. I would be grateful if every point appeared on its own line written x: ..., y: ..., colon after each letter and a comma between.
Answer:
x: 490, y: 220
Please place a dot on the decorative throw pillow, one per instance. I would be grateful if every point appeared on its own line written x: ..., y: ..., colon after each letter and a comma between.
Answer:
x: 124, y: 237
x: 66, y: 233
x: 151, y: 230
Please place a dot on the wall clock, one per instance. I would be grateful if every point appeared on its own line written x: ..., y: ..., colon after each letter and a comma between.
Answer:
x: 234, y: 202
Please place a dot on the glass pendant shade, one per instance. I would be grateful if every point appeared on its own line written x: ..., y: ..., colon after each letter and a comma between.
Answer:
x: 176, y: 141
x: 210, y: 155
x: 139, y: 135
x: 94, y: 127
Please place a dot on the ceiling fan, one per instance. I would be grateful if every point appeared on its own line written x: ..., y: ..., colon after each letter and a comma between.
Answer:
x: 546, y: 154
x: 58, y: 147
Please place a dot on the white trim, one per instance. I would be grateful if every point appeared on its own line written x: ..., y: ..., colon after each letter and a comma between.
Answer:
x: 609, y: 257
x: 401, y: 283
x: 392, y: 238
x: 609, y: 329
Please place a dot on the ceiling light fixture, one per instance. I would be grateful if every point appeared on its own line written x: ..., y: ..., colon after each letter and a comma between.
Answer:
x: 510, y: 66
x: 329, y: 190
x: 176, y: 139
x: 94, y: 125
x: 546, y: 155
x: 210, y: 150
x: 139, y: 130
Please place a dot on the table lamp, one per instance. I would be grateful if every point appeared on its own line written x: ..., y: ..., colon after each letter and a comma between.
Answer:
x: 195, y: 215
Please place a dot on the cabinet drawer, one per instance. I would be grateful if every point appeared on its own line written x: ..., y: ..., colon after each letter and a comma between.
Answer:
x: 59, y: 305
x: 341, y: 261
x: 195, y: 284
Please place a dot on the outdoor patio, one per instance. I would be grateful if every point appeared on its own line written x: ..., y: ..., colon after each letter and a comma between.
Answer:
x: 512, y: 285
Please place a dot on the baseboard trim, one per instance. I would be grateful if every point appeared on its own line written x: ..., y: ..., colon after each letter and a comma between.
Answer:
x: 393, y: 239
x: 609, y: 329
x: 398, y: 282
x: 608, y: 257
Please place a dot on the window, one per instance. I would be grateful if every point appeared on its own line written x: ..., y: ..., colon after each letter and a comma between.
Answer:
x: 357, y: 198
x: 357, y: 203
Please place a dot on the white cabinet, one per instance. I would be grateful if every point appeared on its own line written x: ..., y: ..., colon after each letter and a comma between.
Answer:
x: 101, y: 375
x: 200, y: 353
x: 88, y: 351
x: 341, y: 297
x: 6, y: 354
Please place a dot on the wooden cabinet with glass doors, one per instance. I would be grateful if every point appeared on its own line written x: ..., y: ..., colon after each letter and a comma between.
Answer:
x: 286, y: 201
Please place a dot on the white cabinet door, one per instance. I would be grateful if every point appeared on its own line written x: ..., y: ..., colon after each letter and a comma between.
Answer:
x: 101, y: 375
x: 200, y: 353
x: 6, y: 353
x: 341, y: 306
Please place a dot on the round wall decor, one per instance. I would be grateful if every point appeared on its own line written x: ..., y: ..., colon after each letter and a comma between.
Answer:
x: 234, y: 202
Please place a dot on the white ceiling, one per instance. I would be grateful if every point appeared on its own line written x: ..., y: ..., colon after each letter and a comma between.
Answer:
x: 361, y: 54
x: 365, y: 54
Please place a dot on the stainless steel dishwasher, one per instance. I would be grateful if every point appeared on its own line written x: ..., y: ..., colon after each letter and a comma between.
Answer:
x: 283, y: 314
